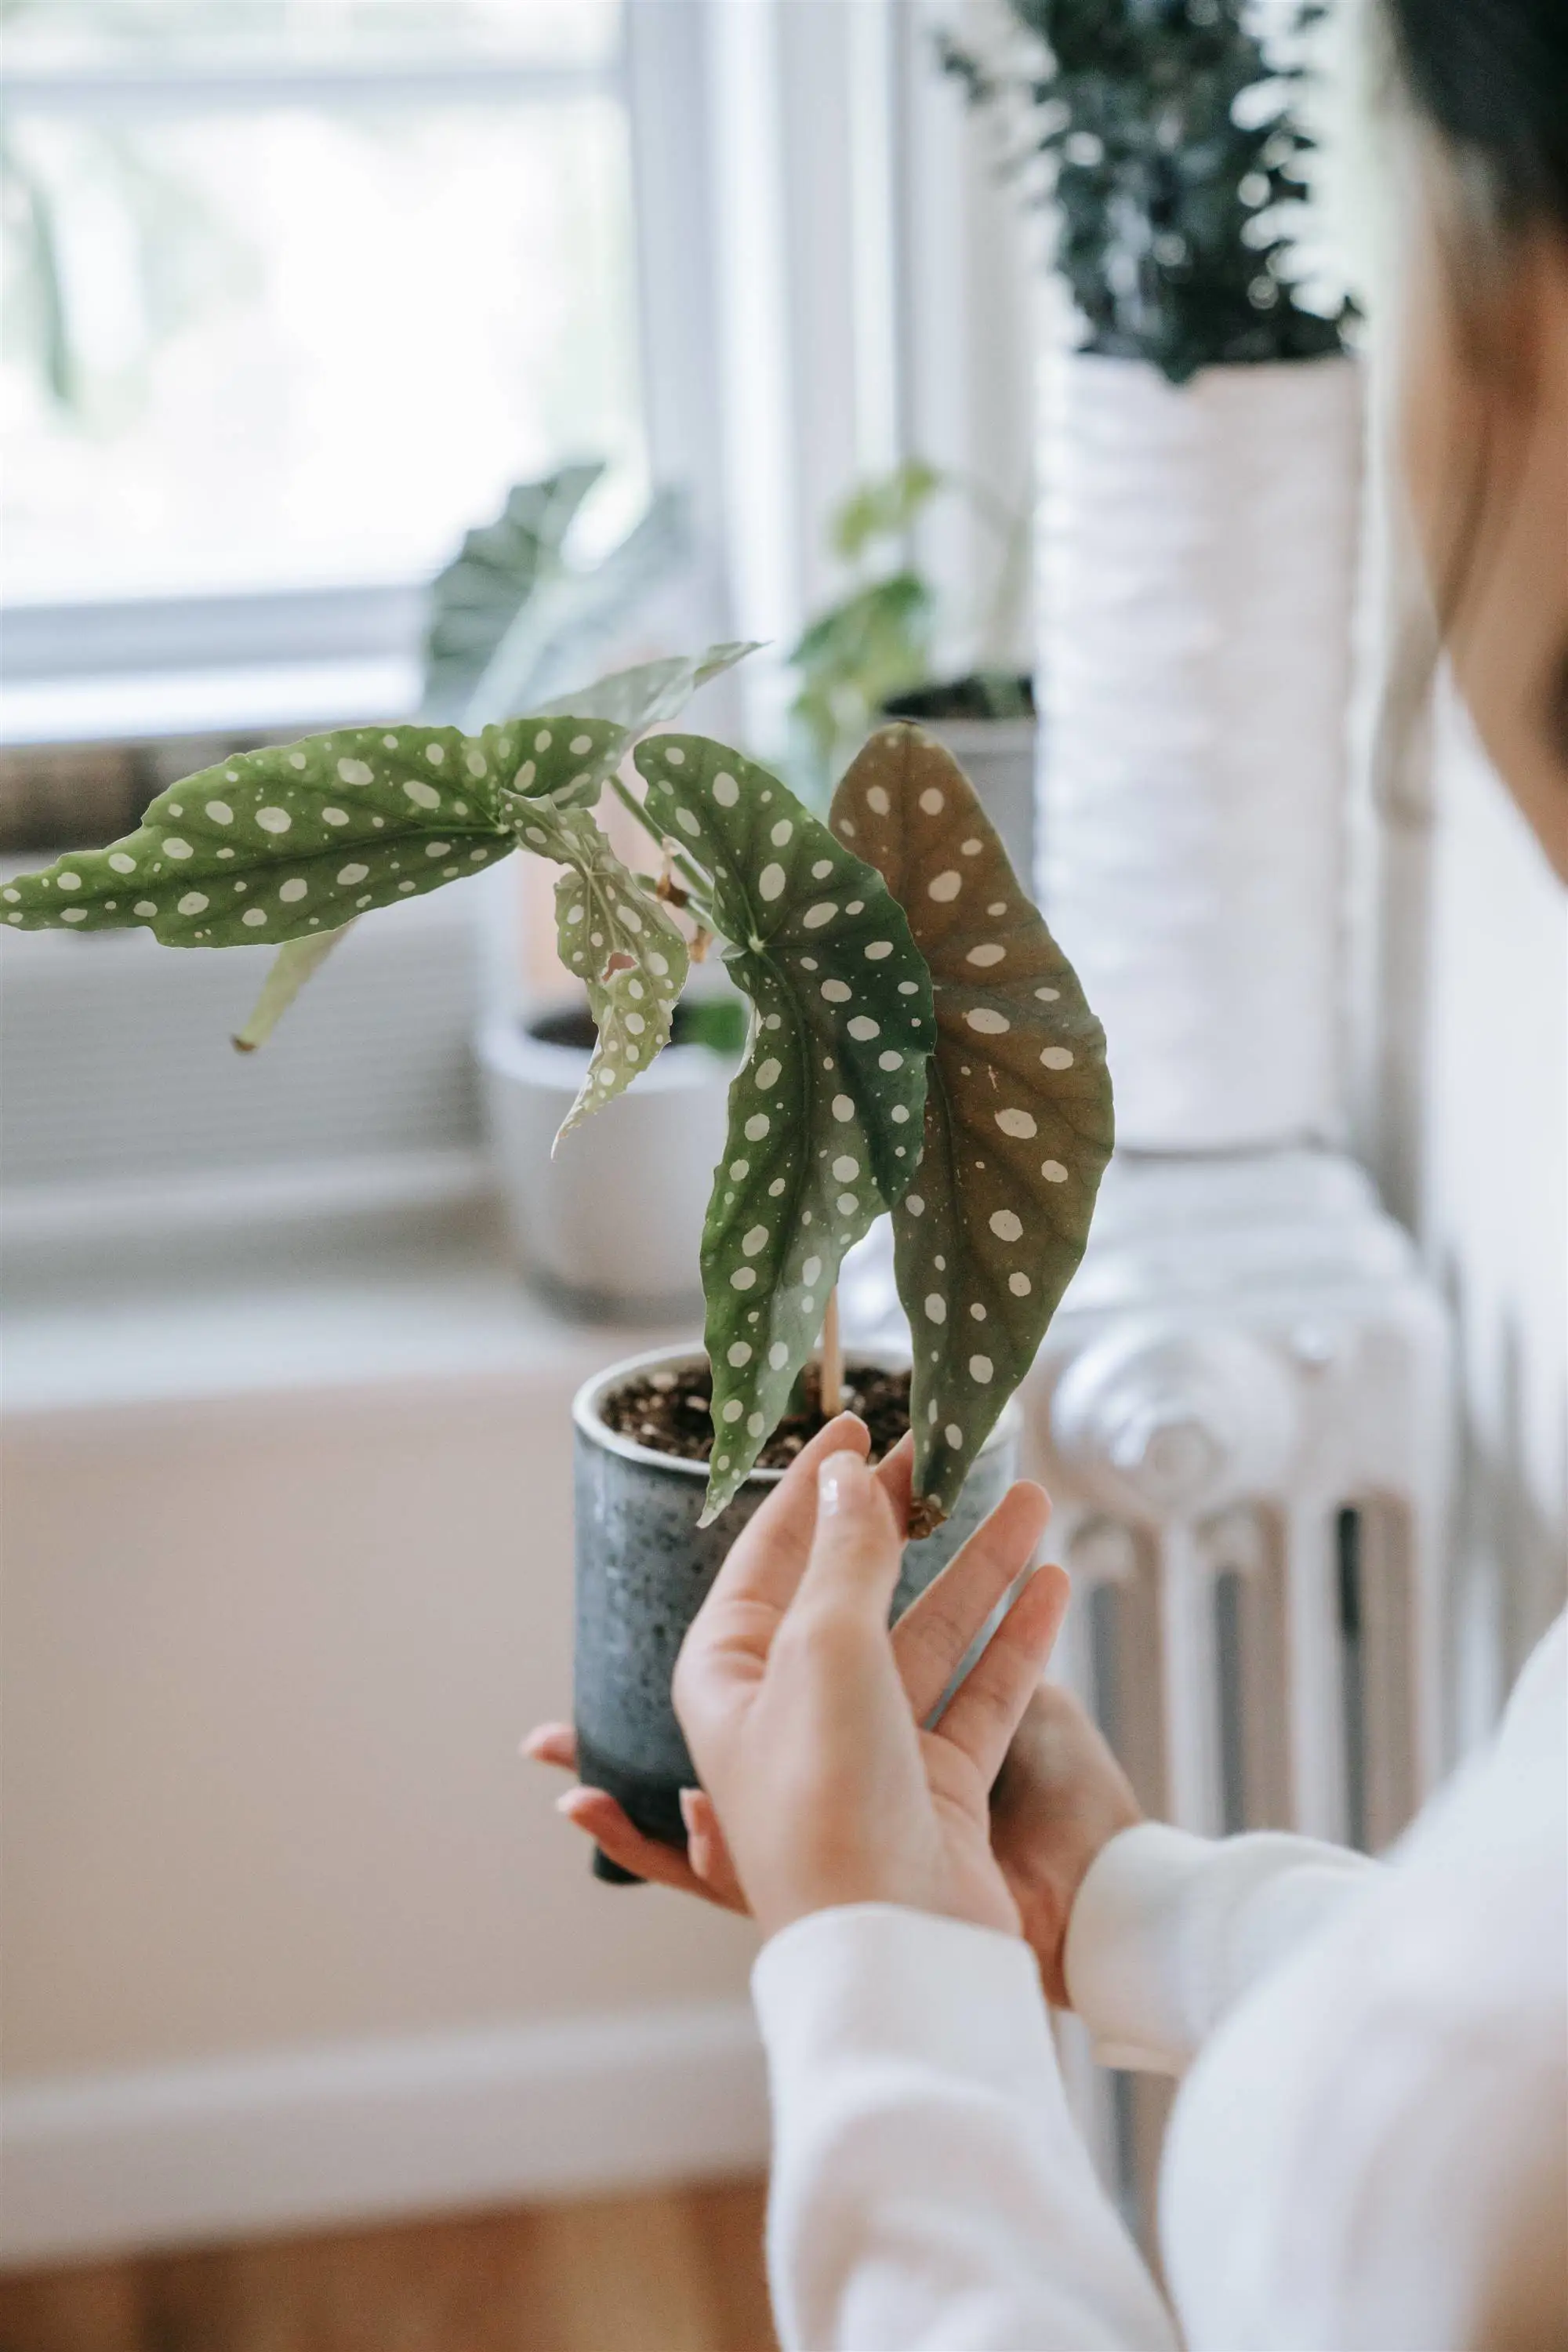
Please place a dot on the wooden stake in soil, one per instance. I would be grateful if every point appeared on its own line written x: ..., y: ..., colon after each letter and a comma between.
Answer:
x: 832, y: 1391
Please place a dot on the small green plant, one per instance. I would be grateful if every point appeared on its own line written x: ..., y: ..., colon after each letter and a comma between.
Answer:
x: 916, y: 1041
x: 874, y: 641
x: 1175, y: 165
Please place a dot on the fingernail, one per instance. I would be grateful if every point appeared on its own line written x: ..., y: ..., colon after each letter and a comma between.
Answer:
x: 689, y: 1811
x: 839, y: 1479
x: 567, y: 1804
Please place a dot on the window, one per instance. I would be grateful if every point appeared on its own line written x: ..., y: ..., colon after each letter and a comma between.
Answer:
x: 296, y: 288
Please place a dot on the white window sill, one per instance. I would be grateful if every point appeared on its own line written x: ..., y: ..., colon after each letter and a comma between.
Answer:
x: 148, y: 705
x: 421, y: 1298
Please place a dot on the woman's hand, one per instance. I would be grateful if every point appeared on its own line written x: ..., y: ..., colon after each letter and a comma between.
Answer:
x: 804, y: 1716
x: 704, y: 1868
x: 1059, y: 1797
x: 806, y: 1738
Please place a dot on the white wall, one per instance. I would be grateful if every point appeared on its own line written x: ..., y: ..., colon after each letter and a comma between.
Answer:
x: 267, y: 1662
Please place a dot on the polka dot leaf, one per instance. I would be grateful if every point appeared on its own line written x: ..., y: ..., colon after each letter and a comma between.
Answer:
x: 825, y: 1115
x: 553, y: 770
x: 619, y: 942
x: 1018, y: 1111
x: 651, y: 693
x: 286, y: 843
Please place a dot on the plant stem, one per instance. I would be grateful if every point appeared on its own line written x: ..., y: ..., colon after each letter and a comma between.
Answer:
x: 696, y: 882
x: 831, y: 1398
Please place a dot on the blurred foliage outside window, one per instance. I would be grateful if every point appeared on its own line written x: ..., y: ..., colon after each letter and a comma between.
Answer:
x: 295, y: 287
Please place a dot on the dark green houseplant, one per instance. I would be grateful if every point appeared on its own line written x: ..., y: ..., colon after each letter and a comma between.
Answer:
x: 1175, y: 153
x: 1204, y: 427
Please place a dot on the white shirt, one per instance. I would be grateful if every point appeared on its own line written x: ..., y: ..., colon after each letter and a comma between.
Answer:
x: 1369, y: 2149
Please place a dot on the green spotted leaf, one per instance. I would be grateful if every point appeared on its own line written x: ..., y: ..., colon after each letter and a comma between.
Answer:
x: 652, y: 692
x: 1019, y: 1113
x: 620, y: 942
x: 825, y: 1115
x: 300, y: 837
x: 631, y: 700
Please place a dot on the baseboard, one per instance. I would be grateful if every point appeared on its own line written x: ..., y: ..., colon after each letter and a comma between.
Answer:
x: 369, y: 2131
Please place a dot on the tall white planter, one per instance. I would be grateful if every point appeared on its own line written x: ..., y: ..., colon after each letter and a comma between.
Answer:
x: 1198, y: 557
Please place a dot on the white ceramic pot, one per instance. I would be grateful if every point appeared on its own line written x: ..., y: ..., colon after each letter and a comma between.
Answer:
x: 1198, y: 564
x: 611, y: 1226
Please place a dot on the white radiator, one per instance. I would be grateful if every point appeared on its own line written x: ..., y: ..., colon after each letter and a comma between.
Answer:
x: 1241, y: 1412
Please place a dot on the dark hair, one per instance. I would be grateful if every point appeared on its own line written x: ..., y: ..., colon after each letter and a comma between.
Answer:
x: 1492, y: 76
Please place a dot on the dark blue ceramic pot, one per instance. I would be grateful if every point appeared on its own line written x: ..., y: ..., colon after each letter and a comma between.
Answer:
x: 644, y: 1568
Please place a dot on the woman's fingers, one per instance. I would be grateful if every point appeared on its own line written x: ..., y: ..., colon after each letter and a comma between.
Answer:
x: 707, y: 1850
x: 599, y: 1817
x: 931, y: 1636
x: 989, y: 1704
x: 895, y: 1475
x: 551, y: 1743
x: 854, y: 1558
x: 767, y: 1558
x: 705, y: 1869
x: 727, y: 1645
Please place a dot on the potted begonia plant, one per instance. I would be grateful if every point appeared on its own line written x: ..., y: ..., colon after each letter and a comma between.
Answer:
x: 917, y: 1045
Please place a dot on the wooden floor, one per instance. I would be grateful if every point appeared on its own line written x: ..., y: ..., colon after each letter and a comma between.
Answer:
x: 666, y: 2273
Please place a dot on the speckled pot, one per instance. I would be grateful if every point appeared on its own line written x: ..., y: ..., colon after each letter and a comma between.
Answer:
x: 644, y: 1568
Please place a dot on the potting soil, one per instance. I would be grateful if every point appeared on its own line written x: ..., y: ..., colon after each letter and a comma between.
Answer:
x: 671, y: 1411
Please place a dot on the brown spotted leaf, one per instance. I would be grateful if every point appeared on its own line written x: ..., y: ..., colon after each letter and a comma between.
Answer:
x: 1019, y: 1113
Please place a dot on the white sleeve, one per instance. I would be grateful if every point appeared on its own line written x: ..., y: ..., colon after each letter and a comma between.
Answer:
x: 1169, y: 1931
x: 1372, y: 2149
x: 929, y: 2188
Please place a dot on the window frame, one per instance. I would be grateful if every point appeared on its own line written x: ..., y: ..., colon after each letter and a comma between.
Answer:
x: 135, y: 668
x: 895, y: 287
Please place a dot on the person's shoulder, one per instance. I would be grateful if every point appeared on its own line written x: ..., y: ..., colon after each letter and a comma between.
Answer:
x: 1480, y: 1882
